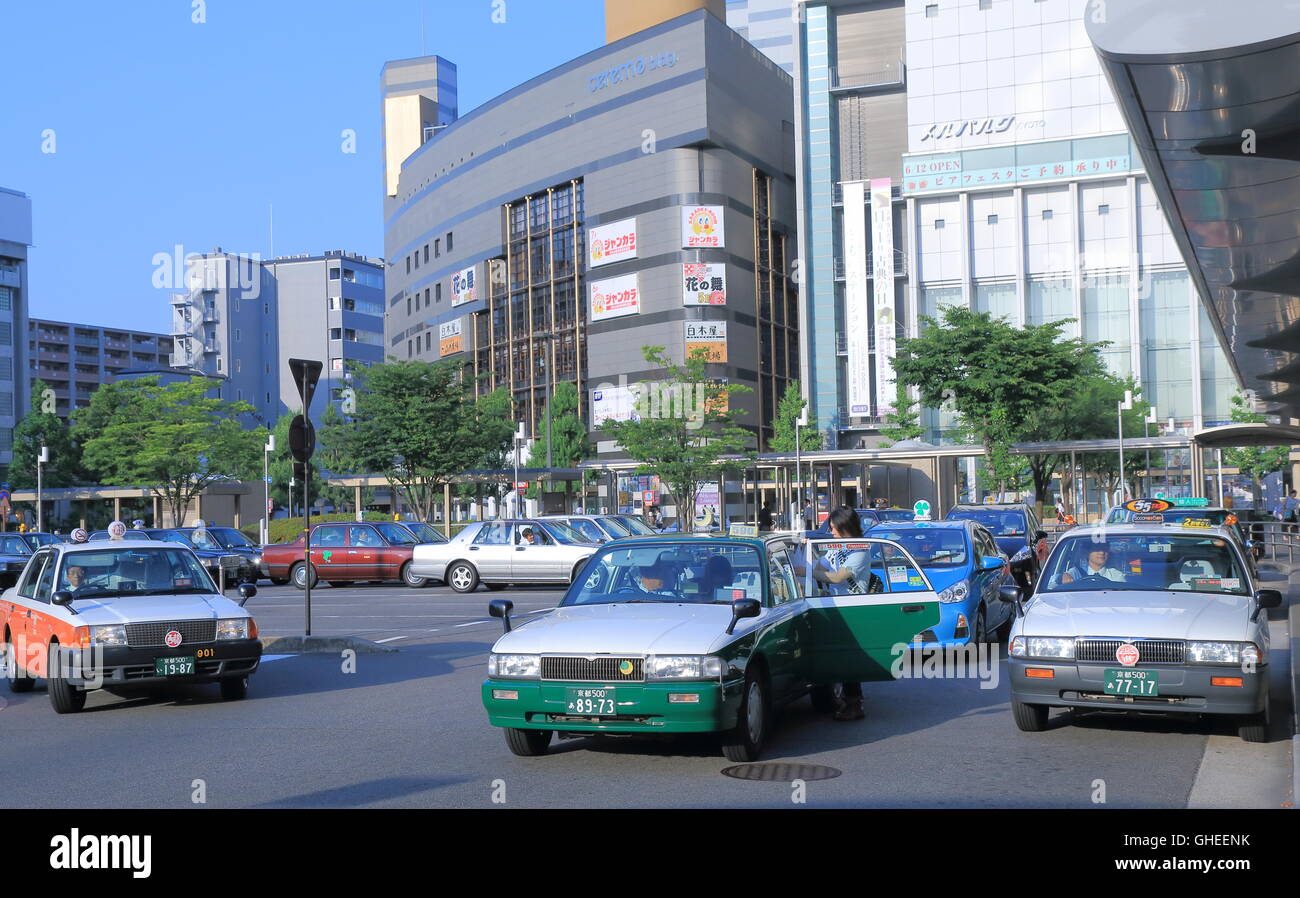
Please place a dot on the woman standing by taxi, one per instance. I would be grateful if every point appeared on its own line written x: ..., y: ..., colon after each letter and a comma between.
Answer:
x: 847, y: 573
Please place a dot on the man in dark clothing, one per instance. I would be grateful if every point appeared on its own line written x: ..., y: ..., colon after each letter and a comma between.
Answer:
x: 765, y: 517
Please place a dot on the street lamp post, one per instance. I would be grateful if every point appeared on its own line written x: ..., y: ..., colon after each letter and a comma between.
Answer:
x: 1121, y: 408
x: 519, y: 435
x: 1146, y: 422
x: 266, y: 483
x: 799, y: 424
x: 41, y: 459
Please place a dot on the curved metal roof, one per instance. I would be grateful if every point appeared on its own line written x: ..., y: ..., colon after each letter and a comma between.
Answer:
x: 1233, y: 435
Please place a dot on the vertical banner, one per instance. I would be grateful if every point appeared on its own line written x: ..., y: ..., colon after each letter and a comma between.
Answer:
x: 703, y: 227
x: 704, y: 284
x: 882, y: 274
x: 711, y: 336
x: 464, y: 286
x: 450, y: 340
x: 856, y: 314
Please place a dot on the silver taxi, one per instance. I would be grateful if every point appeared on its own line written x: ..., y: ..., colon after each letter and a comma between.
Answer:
x: 1143, y: 617
x: 495, y: 553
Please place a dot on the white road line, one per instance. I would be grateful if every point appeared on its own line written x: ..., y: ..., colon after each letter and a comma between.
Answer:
x: 473, y: 622
x: 266, y: 658
x: 390, y: 639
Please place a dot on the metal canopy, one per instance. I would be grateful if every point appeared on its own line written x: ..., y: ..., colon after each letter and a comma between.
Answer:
x: 1230, y: 436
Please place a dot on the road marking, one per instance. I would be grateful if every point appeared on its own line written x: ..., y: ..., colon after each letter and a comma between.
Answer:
x: 390, y: 639
x: 266, y: 658
x: 473, y: 622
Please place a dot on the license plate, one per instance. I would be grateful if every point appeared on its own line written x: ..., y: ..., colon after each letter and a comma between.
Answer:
x: 586, y: 700
x: 1131, y: 682
x: 173, y: 667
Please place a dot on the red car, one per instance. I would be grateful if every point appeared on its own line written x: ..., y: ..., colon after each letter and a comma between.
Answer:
x: 343, y: 553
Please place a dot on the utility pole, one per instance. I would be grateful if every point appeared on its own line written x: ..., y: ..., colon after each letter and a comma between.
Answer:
x: 266, y: 483
x: 1121, y: 408
x: 40, y: 493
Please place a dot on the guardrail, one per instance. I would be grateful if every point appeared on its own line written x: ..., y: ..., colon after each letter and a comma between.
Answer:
x: 1275, y: 537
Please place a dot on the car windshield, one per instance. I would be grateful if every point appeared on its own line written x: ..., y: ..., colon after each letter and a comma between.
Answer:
x: 932, y: 547
x: 563, y: 533
x: 591, y: 531
x: 203, y: 539
x: 999, y: 523
x: 695, y: 571
x: 231, y: 538
x: 1157, y: 561
x: 42, y: 539
x: 637, y: 526
x: 396, y: 534
x: 619, y: 528
x: 132, y: 570
x: 14, y: 545
x: 424, y: 533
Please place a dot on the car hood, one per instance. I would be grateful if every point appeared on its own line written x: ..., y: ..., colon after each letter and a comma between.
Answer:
x: 1011, y: 544
x: 650, y: 628
x: 143, y: 609
x: 1131, y: 613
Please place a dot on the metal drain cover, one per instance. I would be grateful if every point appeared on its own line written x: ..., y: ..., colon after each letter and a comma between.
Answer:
x: 780, y: 773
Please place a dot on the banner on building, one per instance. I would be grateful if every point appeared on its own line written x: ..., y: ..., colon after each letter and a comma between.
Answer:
x: 613, y: 242
x: 702, y: 227
x: 857, y: 326
x: 464, y: 286
x: 711, y: 336
x: 704, y: 284
x: 882, y: 276
x: 449, y: 338
x: 614, y: 297
x: 613, y: 403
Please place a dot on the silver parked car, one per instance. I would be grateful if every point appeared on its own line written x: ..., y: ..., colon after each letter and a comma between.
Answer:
x: 499, y: 552
x: 596, y: 528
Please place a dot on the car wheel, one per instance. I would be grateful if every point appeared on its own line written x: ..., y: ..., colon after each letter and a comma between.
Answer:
x: 824, y: 699
x: 234, y: 688
x: 462, y: 577
x: 577, y: 572
x: 412, y: 579
x: 298, y: 575
x: 980, y: 634
x: 19, y: 681
x: 1254, y: 727
x: 745, y: 742
x: 1029, y: 718
x: 528, y: 743
x: 64, y: 697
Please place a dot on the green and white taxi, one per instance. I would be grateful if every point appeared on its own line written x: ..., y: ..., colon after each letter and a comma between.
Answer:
x: 689, y: 634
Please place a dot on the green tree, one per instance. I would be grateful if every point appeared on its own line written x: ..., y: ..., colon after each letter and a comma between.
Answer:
x: 42, y: 427
x: 173, y: 438
x: 783, y: 426
x: 418, y: 425
x: 570, y: 442
x: 1104, y: 466
x: 1253, y: 461
x: 904, y: 422
x: 683, y: 427
x: 496, y: 456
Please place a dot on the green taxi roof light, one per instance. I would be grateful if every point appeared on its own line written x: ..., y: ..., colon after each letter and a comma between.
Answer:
x: 1194, y: 502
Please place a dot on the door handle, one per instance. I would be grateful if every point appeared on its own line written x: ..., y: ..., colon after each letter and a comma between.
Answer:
x: 473, y: 548
x: 520, y: 548
x: 352, y: 551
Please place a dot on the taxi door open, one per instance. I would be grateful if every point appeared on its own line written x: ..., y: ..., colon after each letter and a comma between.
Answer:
x: 866, y: 598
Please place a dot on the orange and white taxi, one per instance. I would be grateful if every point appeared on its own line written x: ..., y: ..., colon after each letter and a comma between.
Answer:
x: 123, y: 613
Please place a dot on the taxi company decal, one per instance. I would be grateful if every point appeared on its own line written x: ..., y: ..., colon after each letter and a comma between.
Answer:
x: 1147, y: 506
x: 625, y: 668
x: 613, y: 242
x: 1127, y: 654
x: 702, y: 227
x: 704, y: 284
x: 463, y: 286
x: 614, y: 297
x: 173, y: 638
x: 449, y: 338
x: 710, y: 336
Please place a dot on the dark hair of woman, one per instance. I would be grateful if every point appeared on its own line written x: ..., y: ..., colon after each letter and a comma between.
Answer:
x: 845, y: 520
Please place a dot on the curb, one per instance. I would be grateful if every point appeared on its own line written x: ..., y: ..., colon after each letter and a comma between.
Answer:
x: 1294, y: 623
x: 332, y: 645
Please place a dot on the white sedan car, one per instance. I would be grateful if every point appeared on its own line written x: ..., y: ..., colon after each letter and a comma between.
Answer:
x: 1143, y: 617
x: 499, y: 552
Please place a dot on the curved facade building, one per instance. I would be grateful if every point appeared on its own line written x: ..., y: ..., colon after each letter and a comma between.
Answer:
x: 641, y: 194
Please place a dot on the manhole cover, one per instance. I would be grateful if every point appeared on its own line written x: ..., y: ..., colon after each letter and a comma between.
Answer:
x: 780, y: 773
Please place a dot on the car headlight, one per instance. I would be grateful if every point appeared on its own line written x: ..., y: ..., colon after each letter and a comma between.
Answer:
x: 1042, y: 647
x: 1222, y: 652
x: 955, y: 593
x: 232, y: 628
x: 108, y: 634
x: 683, y: 667
x: 514, y: 665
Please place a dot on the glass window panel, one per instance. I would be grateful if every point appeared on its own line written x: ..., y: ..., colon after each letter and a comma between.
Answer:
x: 999, y: 300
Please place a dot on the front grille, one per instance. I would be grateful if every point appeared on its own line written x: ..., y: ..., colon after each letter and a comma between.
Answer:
x: 155, y: 633
x: 601, y: 669
x: 1150, y: 651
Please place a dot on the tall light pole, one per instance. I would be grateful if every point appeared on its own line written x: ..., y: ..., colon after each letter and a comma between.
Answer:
x: 1121, y: 408
x: 799, y: 424
x: 1150, y: 419
x: 266, y: 483
x: 41, y: 459
x: 519, y: 435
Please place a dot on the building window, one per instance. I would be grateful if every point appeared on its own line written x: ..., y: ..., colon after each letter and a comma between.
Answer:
x: 268, y: 402
x: 426, y: 297
x: 336, y: 333
x: 239, y: 366
x: 266, y: 308
x: 993, y: 219
x: 1047, y: 216
x: 988, y: 4
x: 408, y: 264
x: 334, y: 274
x: 437, y: 295
x: 426, y: 252
x: 408, y: 311
x: 932, y: 11
x: 218, y: 364
x: 237, y: 335
x: 6, y: 368
x: 417, y: 261
x: 449, y: 241
x: 1104, y: 209
x: 938, y: 224
x: 6, y: 403
x: 6, y: 333
x: 437, y: 248
x: 410, y: 351
x: 428, y: 340
x: 6, y: 299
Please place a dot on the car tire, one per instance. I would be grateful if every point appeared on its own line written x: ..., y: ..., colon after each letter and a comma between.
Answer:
x: 298, y: 575
x: 980, y: 632
x: 279, y: 581
x: 64, y: 697
x: 577, y: 571
x: 414, y: 581
x: 528, y: 743
x: 824, y: 700
x: 1255, y: 727
x: 234, y: 688
x: 462, y: 577
x: 19, y: 682
x: 1029, y: 718
x: 745, y: 743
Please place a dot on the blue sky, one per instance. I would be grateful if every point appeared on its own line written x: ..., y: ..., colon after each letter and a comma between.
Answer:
x: 170, y: 132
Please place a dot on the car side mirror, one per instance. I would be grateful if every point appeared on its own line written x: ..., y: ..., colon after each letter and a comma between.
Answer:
x: 246, y: 592
x: 742, y: 608
x: 1268, y: 598
x: 64, y: 597
x: 991, y: 563
x: 1013, y: 594
x: 501, y: 608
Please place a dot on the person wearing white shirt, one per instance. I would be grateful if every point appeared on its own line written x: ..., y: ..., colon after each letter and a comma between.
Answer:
x: 1094, y: 567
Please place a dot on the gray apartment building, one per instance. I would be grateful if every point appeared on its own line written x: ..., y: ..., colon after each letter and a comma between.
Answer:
x: 241, y: 319
x: 641, y: 194
x: 15, y: 240
x: 74, y: 360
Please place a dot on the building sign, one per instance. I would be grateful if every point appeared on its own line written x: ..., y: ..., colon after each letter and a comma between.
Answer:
x: 464, y: 286
x: 989, y: 125
x: 611, y: 243
x: 704, y: 284
x: 856, y: 314
x: 614, y: 297
x: 702, y: 227
x: 613, y: 404
x: 711, y: 336
x: 449, y: 338
x: 882, y: 278
x: 624, y: 71
x: 936, y: 174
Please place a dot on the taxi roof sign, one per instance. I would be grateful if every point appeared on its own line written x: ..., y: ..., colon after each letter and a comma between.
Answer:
x: 922, y: 510
x: 750, y: 530
x: 1192, y: 502
x: 1146, y: 506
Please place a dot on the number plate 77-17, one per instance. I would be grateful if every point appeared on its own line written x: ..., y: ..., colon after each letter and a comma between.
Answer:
x: 589, y: 700
x: 1131, y: 682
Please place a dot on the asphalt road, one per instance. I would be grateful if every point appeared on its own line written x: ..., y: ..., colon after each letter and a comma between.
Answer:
x: 406, y: 729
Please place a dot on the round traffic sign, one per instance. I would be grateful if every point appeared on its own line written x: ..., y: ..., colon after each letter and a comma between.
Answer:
x: 1127, y: 654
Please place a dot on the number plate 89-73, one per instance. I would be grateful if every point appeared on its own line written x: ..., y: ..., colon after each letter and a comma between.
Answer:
x: 586, y: 700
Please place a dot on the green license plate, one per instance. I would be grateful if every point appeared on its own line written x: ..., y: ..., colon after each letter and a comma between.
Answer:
x: 1127, y: 681
x: 173, y: 667
x: 598, y: 700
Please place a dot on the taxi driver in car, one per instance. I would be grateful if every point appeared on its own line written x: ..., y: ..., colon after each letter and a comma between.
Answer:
x: 76, y: 577
x: 1095, y: 566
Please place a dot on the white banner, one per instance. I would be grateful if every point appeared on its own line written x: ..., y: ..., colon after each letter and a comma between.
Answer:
x: 703, y: 227
x: 856, y: 314
x: 882, y: 274
x: 613, y: 403
x: 464, y: 286
x: 704, y: 284
x: 614, y: 297
x: 613, y: 242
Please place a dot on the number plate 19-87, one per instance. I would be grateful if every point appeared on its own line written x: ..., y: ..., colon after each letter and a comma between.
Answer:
x: 590, y: 700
